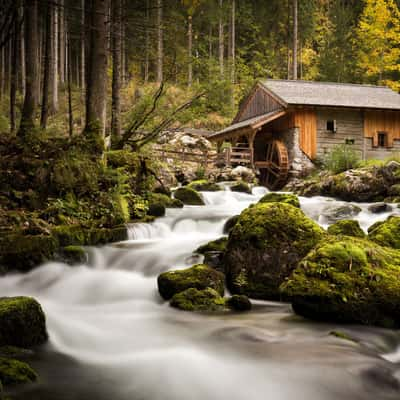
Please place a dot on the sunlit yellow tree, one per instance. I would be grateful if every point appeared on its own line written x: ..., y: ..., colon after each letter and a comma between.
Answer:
x: 378, y: 41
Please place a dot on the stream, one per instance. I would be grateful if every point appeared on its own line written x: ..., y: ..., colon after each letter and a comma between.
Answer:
x: 112, y: 337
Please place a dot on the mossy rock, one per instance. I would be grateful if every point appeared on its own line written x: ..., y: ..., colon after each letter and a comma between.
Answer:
x: 156, y: 210
x: 354, y: 281
x: 203, y: 185
x: 198, y: 300
x: 214, y: 245
x: 340, y: 212
x: 287, y: 198
x: 14, y: 372
x: 23, y: 252
x: 15, y: 352
x: 239, y: 302
x: 264, y: 247
x: 229, y: 224
x: 188, y: 196
x: 73, y: 255
x: 241, y: 187
x: 166, y: 201
x: 22, y: 322
x: 199, y: 277
x: 386, y: 233
x: 346, y: 227
x: 123, y: 159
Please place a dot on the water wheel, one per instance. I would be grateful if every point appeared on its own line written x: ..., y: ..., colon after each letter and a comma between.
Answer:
x: 274, y: 170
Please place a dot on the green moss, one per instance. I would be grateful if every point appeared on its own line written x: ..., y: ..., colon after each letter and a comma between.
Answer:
x: 166, y: 201
x: 242, y: 187
x: 214, y: 245
x: 14, y: 372
x: 347, y: 281
x: 188, y: 196
x: 265, y: 245
x: 204, y: 185
x: 23, y: 252
x: 15, y: 352
x: 346, y: 227
x: 342, y: 335
x: 198, y: 300
x: 156, y: 210
x: 123, y: 159
x: 386, y: 233
x: 22, y: 322
x: 230, y: 223
x: 199, y: 277
x: 286, y: 198
x: 73, y: 255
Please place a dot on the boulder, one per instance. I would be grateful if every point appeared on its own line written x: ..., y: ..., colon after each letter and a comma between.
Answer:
x: 22, y: 322
x: 347, y: 227
x: 239, y: 302
x: 229, y: 224
x: 287, y: 198
x: 73, y: 255
x: 188, y: 196
x: 343, y: 211
x: 165, y: 200
x: 241, y: 187
x: 214, y: 260
x: 378, y: 208
x: 199, y: 277
x: 243, y: 173
x: 198, y: 300
x: 353, y: 281
x: 204, y: 185
x: 214, y: 245
x: 265, y: 246
x: 14, y: 372
x: 386, y: 233
x: 156, y: 210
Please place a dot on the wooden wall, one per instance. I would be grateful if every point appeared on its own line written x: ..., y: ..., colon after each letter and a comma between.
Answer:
x: 258, y: 103
x: 382, y: 121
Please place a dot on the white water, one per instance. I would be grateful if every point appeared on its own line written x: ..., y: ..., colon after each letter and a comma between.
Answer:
x: 109, y: 315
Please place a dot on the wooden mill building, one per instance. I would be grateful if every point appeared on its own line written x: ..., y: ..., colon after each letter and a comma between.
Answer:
x: 286, y: 125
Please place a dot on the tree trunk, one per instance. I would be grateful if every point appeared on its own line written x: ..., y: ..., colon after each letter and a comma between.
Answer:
x: 22, y: 55
x: 54, y: 59
x: 14, y: 74
x: 83, y: 56
x: 160, y: 45
x: 221, y: 41
x: 116, y: 76
x: 69, y: 83
x: 233, y: 41
x: 96, y: 84
x: 2, y: 69
x: 147, y: 43
x: 31, y: 67
x: 61, y: 41
x: 48, y: 64
x: 190, y: 51
x: 295, y: 30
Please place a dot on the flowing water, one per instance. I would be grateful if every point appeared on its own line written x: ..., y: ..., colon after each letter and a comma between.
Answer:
x: 111, y: 336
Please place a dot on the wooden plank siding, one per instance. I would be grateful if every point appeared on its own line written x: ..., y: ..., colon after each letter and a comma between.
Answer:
x: 382, y: 121
x: 259, y: 102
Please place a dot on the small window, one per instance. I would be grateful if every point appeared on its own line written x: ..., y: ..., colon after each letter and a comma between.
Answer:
x: 349, y: 141
x: 331, y: 125
x: 382, y: 139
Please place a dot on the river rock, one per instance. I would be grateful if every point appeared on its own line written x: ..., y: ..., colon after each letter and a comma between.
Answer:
x: 243, y: 173
x: 348, y: 227
x: 386, y: 233
x: 343, y: 211
x: 22, y: 322
x: 239, y: 302
x: 214, y: 260
x: 188, y: 196
x: 163, y: 199
x: 199, y: 277
x: 214, y: 245
x: 287, y: 198
x: 264, y: 247
x: 229, y: 224
x: 241, y: 187
x: 378, y: 208
x: 353, y: 281
x: 15, y: 372
x: 204, y: 185
x: 198, y: 300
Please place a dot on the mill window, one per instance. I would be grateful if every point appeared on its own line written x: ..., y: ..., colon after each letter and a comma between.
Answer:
x: 331, y: 125
x: 382, y: 139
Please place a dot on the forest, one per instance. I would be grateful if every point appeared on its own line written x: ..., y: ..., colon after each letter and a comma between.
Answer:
x: 199, y: 199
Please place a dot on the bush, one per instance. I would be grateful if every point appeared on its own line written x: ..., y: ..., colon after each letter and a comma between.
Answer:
x: 341, y: 158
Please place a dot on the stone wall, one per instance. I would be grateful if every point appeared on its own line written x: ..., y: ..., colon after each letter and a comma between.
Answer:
x: 349, y: 124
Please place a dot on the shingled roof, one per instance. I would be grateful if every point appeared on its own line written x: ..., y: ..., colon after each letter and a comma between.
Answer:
x: 333, y: 94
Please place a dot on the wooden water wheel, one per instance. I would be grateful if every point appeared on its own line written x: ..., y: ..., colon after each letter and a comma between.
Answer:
x: 274, y: 170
